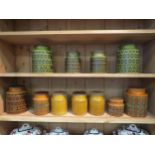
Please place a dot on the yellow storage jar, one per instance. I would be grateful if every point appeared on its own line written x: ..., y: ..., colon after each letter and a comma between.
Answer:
x: 96, y: 103
x: 79, y: 103
x: 59, y: 103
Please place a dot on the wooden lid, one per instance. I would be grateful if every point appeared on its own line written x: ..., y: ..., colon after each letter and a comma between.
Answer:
x: 136, y: 90
x: 116, y: 100
x: 16, y: 90
x: 116, y: 104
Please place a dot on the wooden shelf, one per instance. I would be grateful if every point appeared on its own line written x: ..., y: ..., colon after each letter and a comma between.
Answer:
x: 70, y: 118
x: 79, y: 75
x: 74, y: 36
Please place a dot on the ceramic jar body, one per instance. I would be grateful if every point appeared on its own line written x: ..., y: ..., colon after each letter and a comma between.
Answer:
x: 136, y: 103
x: 79, y: 104
x: 73, y: 62
x: 96, y: 104
x: 59, y: 104
x: 41, y: 59
x: 128, y: 59
x: 40, y: 103
x: 16, y: 100
x: 116, y: 107
x: 98, y: 62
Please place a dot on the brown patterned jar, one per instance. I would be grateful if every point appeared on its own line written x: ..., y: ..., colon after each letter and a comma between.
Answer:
x: 40, y: 103
x: 136, y: 102
x: 16, y: 100
x: 116, y: 107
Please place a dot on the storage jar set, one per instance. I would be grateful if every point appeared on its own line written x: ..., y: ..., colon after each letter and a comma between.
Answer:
x: 16, y: 101
x: 128, y: 60
x: 42, y: 59
x: 27, y: 129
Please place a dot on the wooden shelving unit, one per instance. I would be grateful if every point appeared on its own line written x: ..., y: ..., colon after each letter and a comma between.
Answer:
x: 70, y: 118
x: 84, y: 36
x: 78, y: 36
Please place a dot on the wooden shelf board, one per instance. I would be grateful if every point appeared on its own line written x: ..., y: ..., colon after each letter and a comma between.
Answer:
x: 79, y: 75
x: 70, y: 118
x: 74, y: 36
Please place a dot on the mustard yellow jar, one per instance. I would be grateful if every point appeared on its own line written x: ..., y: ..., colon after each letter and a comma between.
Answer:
x: 40, y: 103
x: 96, y: 103
x: 79, y: 103
x: 59, y: 104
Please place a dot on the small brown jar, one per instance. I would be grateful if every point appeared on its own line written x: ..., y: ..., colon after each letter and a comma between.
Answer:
x: 40, y: 103
x: 16, y: 100
x: 116, y: 107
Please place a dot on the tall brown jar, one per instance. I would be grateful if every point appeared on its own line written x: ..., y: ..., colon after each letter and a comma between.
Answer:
x: 16, y: 100
x: 136, y: 102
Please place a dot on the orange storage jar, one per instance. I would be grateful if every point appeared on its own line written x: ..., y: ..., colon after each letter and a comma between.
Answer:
x: 40, y: 103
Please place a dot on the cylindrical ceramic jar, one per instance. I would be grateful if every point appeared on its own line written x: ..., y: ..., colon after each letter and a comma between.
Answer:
x: 116, y: 107
x: 41, y: 59
x: 98, y: 62
x: 40, y: 103
x: 73, y: 62
x: 16, y: 100
x: 128, y: 59
x: 96, y: 103
x: 136, y: 102
x: 59, y: 103
x: 79, y: 103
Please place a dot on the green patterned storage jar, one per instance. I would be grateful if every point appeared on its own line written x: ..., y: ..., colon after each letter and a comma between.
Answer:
x: 128, y: 59
x: 98, y: 62
x: 136, y: 102
x: 73, y: 62
x: 42, y: 59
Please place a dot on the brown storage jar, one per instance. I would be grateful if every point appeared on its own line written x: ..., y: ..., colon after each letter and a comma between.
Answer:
x: 40, y: 103
x: 136, y: 102
x: 16, y: 100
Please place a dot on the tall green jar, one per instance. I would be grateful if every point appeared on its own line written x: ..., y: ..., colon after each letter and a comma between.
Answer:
x: 128, y: 59
x: 42, y: 59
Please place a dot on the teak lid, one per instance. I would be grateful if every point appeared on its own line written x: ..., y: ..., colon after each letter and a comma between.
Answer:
x: 136, y: 91
x: 116, y: 100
